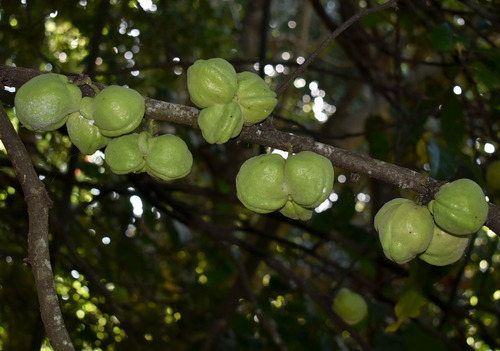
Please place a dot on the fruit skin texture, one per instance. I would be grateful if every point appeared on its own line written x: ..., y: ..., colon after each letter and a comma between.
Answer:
x: 350, y: 306
x: 445, y: 248
x: 118, y: 110
x: 460, y: 207
x: 219, y: 123
x: 308, y: 178
x: 295, y: 211
x: 405, y: 229
x: 211, y: 82
x: 84, y: 134
x: 259, y: 183
x: 45, y: 102
x: 123, y: 155
x: 255, y: 98
x: 493, y: 175
x: 168, y: 157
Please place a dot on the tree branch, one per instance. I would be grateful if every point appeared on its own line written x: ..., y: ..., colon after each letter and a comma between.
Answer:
x: 38, y: 203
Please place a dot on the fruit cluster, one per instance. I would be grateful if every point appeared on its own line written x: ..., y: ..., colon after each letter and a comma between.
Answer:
x: 49, y: 101
x: 437, y: 233
x: 294, y: 186
x: 228, y: 100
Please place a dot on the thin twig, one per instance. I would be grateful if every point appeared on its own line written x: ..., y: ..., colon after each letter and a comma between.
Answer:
x: 329, y: 39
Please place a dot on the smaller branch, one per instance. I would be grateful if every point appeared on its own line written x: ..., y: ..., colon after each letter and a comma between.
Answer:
x: 38, y: 203
x: 330, y: 38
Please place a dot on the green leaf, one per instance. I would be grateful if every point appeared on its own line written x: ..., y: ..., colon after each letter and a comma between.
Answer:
x: 408, y: 306
x: 442, y: 38
x: 443, y: 161
x: 452, y: 121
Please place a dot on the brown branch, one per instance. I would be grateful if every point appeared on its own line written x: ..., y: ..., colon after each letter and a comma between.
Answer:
x: 38, y: 203
x: 265, y: 134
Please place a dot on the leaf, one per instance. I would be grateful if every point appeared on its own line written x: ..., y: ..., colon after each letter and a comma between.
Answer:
x: 444, y: 162
x: 442, y: 38
x: 452, y: 121
x: 408, y: 306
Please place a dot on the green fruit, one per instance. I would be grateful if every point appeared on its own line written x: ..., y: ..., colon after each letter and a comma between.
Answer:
x: 259, y: 183
x: 211, y: 82
x: 294, y: 211
x: 117, y: 110
x: 168, y: 157
x: 405, y: 229
x: 123, y: 154
x: 219, y: 123
x: 460, y: 207
x: 493, y: 175
x: 45, y: 102
x: 308, y: 178
x: 445, y: 248
x: 84, y: 134
x: 350, y: 306
x: 257, y: 101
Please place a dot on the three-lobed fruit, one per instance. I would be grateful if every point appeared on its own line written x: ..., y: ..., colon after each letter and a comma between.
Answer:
x: 260, y: 183
x: 444, y: 248
x: 219, y: 123
x: 308, y: 178
x: 350, y: 306
x: 255, y: 98
x: 117, y: 110
x: 168, y: 157
x: 211, y: 82
x: 460, y: 207
x: 295, y: 211
x: 45, y: 102
x: 123, y: 154
x: 405, y: 229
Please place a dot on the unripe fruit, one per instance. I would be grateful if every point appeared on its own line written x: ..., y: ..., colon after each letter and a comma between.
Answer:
x: 445, y: 248
x: 259, y: 183
x: 255, y: 98
x: 123, y: 154
x: 84, y: 134
x: 405, y: 229
x: 295, y: 211
x: 460, y: 207
x: 493, y: 175
x: 350, y: 306
x: 117, y: 110
x: 211, y: 82
x: 168, y: 157
x: 308, y: 178
x: 219, y: 123
x: 45, y: 102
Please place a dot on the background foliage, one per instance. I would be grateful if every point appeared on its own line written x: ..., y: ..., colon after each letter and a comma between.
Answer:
x: 147, y: 265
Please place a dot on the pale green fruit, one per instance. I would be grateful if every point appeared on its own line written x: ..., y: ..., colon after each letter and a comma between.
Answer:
x: 405, y: 230
x: 256, y: 99
x: 445, y: 248
x: 294, y: 211
x: 350, y: 306
x: 45, y: 102
x: 118, y: 110
x: 493, y: 174
x: 308, y: 178
x: 168, y: 157
x: 460, y: 207
x: 259, y: 183
x: 211, y: 82
x: 123, y: 154
x: 381, y: 214
x: 84, y: 134
x: 219, y: 123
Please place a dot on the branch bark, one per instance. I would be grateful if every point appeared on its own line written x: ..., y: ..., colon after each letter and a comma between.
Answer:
x: 38, y: 203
